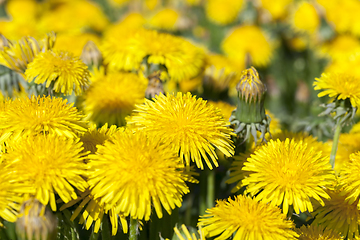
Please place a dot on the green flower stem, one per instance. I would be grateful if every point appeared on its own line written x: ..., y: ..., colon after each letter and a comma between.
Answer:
x: 133, y: 229
x: 335, y: 143
x: 210, y: 196
x: 202, y: 196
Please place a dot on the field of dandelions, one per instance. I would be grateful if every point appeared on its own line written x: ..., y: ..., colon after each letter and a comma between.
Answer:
x: 179, y: 119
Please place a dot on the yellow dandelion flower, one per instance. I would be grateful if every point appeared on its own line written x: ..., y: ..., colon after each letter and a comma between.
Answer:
x: 305, y: 18
x: 125, y: 50
x: 349, y: 179
x: 151, y: 4
x: 11, y: 191
x: 18, y: 55
x: 277, y: 8
x: 74, y: 42
x: 165, y: 19
x: 348, y: 143
x: 225, y: 108
x: 247, y: 219
x: 223, y: 11
x: 40, y: 115
x: 288, y: 173
x: 248, y: 42
x: 182, y: 59
x: 339, y: 86
x: 131, y: 21
x: 113, y: 97
x: 49, y: 163
x: 342, y: 48
x: 61, y: 19
x: 93, y: 137
x: 192, y: 127
x: 22, y: 10
x: 133, y: 173
x: 237, y: 173
x: 59, y: 70
x: 314, y: 232
x: 221, y: 72
x: 340, y: 216
x: 342, y: 15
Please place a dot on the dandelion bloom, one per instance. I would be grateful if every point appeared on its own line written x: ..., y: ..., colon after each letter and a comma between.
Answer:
x: 165, y: 19
x: 248, y: 41
x: 45, y: 115
x: 223, y: 11
x: 185, y: 232
x: 60, y: 70
x: 132, y: 173
x: 339, y: 215
x: 126, y: 51
x: 349, y: 178
x: 112, y: 97
x: 49, y: 163
x: 237, y: 173
x: 305, y: 18
x: 339, y: 86
x: 247, y: 219
x: 192, y: 127
x: 316, y: 232
x: 341, y: 49
x: 182, y: 59
x: 288, y: 173
x: 278, y: 9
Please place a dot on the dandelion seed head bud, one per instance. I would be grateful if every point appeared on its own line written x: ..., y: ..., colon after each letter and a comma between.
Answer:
x: 35, y: 221
x: 91, y: 54
x: 250, y: 87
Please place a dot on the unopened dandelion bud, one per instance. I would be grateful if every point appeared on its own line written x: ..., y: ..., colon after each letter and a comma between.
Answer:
x: 91, y: 54
x: 249, y: 116
x: 35, y: 221
x: 155, y: 86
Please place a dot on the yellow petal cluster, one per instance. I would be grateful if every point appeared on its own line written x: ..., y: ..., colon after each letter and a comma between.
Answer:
x: 192, y: 127
x: 133, y: 173
x: 246, y: 219
x: 288, y: 173
x: 60, y: 70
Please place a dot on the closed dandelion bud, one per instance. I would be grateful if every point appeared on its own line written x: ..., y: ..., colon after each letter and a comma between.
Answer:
x: 35, y: 222
x: 249, y: 116
x: 91, y: 54
x: 155, y: 86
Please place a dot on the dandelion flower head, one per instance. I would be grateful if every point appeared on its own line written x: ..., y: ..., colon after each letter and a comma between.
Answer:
x: 339, y: 86
x: 165, y: 19
x: 247, y: 219
x: 248, y: 42
x: 339, y: 215
x: 132, y: 173
x: 182, y: 59
x: 112, y: 97
x: 49, y: 163
x: 41, y: 115
x: 226, y: 108
x: 223, y: 12
x: 305, y: 18
x: 344, y: 47
x: 192, y: 127
x: 59, y: 70
x: 315, y: 232
x: 277, y: 8
x: 288, y: 173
